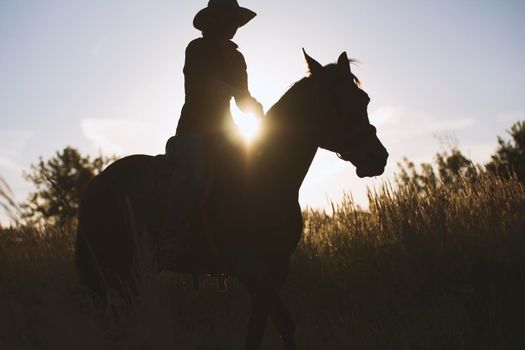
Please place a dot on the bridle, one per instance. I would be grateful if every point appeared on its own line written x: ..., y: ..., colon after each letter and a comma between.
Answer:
x: 359, y: 134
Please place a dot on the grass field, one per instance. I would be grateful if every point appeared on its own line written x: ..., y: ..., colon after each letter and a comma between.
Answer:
x: 442, y: 268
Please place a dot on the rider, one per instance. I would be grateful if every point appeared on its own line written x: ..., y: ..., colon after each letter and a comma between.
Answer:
x: 214, y: 71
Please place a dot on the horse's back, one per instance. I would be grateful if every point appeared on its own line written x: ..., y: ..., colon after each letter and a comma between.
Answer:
x: 127, y: 179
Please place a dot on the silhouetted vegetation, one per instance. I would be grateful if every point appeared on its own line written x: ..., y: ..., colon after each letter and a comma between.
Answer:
x: 508, y: 161
x: 448, y: 167
x: 7, y: 202
x: 510, y: 155
x: 59, y: 183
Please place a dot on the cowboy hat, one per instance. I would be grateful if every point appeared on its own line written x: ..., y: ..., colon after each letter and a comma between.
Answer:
x: 218, y: 9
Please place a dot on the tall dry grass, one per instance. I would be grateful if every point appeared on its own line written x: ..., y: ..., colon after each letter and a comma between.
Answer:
x: 442, y: 268
x: 438, y: 269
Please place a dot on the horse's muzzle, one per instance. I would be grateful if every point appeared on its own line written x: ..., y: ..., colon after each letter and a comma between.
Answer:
x: 369, y: 172
x: 369, y: 166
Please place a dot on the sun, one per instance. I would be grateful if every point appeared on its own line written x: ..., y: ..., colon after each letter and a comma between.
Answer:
x: 248, y: 124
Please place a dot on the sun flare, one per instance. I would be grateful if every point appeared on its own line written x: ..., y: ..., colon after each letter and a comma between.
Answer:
x: 248, y: 124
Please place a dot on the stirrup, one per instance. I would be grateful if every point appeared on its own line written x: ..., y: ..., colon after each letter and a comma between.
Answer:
x: 221, y: 282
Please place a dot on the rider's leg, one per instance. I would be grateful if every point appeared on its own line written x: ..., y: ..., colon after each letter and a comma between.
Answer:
x: 187, y: 189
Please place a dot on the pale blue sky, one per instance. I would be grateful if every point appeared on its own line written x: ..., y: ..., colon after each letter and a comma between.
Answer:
x: 107, y: 74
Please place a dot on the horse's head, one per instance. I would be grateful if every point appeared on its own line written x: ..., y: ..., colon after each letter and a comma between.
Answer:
x: 340, y: 123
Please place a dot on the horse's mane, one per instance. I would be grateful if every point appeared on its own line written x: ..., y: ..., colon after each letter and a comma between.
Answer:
x: 300, y: 89
x: 295, y: 91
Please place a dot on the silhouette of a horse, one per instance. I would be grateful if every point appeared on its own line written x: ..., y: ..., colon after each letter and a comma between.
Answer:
x: 251, y: 222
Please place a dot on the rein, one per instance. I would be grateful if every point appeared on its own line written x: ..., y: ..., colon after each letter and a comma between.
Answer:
x: 359, y: 134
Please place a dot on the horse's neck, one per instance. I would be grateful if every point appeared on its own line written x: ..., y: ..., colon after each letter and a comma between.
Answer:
x: 287, y: 152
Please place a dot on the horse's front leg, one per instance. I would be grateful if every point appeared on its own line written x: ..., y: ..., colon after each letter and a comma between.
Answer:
x: 264, y: 288
x: 283, y: 321
x: 269, y: 304
x: 256, y: 324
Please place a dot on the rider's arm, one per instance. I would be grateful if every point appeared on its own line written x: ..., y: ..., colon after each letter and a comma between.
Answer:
x: 244, y: 100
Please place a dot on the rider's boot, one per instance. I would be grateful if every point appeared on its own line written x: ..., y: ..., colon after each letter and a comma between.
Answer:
x: 174, y: 234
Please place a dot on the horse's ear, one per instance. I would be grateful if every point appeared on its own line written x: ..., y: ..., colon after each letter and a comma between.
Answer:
x: 344, y: 63
x: 313, y: 66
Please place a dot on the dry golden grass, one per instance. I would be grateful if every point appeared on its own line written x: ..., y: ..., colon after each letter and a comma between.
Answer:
x: 438, y: 269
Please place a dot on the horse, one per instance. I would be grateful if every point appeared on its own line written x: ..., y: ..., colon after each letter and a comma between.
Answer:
x: 251, y: 222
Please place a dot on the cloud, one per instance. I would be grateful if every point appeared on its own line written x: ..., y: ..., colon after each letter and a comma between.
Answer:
x: 115, y: 136
x: 399, y: 121
x: 12, y: 142
x: 405, y: 132
x: 9, y: 165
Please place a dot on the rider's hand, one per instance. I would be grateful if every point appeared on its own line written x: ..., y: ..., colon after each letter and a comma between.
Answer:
x: 248, y: 104
x: 258, y: 109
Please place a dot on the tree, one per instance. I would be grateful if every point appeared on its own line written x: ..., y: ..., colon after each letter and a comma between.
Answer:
x: 60, y: 182
x: 451, y: 165
x: 454, y: 165
x: 410, y: 176
x: 510, y: 155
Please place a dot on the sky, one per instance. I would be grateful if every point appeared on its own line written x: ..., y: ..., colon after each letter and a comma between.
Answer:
x: 106, y: 75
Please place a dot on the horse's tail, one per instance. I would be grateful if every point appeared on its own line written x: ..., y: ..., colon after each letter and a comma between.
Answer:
x: 89, y: 268
x: 105, y: 248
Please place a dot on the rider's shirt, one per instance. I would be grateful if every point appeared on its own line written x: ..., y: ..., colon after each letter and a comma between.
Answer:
x: 214, y: 72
